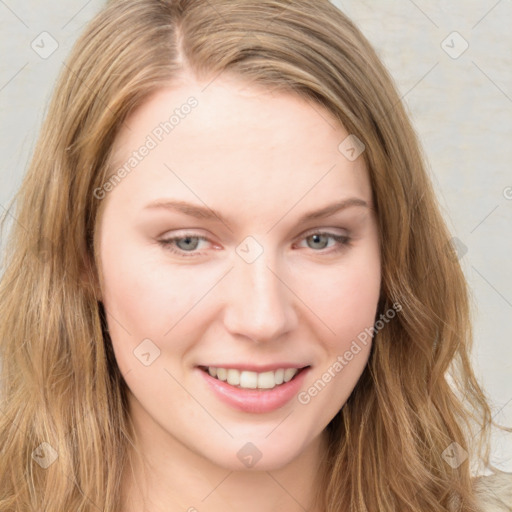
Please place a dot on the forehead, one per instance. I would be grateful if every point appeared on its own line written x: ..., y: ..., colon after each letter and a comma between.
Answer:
x: 237, y: 145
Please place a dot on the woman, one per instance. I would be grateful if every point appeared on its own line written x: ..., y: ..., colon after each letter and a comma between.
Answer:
x: 230, y: 287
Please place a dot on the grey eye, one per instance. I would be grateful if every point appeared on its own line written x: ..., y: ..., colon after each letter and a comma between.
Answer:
x: 187, y: 243
x: 318, y: 241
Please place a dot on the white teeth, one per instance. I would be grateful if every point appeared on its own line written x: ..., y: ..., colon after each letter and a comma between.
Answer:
x: 248, y: 380
x: 253, y: 380
x: 289, y: 373
x: 266, y: 380
x: 233, y: 377
x: 222, y: 374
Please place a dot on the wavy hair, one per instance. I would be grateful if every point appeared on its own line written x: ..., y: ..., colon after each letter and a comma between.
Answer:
x: 62, y: 393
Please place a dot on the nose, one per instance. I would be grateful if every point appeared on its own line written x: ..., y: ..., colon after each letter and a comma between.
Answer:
x: 259, y: 306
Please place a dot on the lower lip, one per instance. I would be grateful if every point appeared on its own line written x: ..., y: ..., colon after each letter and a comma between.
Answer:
x: 255, y: 400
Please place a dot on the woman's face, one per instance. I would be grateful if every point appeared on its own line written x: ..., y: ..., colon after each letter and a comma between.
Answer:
x: 239, y: 241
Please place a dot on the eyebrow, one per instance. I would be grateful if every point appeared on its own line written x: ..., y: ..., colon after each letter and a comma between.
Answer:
x: 204, y: 212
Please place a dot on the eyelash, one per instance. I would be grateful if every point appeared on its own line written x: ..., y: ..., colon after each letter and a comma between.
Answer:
x: 343, y: 241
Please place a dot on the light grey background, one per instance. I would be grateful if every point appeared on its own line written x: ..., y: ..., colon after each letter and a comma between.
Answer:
x: 460, y: 104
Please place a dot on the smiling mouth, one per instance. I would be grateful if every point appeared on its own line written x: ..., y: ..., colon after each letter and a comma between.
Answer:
x: 244, y: 379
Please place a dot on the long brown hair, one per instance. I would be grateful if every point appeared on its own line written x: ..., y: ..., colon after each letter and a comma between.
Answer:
x: 62, y: 393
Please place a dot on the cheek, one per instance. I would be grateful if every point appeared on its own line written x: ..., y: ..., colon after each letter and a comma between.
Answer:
x: 135, y: 296
x: 138, y: 290
x: 356, y: 302
x: 147, y: 299
x: 348, y: 309
x: 345, y: 297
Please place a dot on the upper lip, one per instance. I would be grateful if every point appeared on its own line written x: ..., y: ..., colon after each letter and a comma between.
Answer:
x: 255, y: 368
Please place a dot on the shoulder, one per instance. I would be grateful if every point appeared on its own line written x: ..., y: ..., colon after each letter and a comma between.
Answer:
x: 494, y: 492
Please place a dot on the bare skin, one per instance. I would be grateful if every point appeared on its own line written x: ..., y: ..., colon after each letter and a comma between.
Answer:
x: 262, y: 161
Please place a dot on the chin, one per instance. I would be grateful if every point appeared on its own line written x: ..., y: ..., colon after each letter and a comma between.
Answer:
x: 258, y: 454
